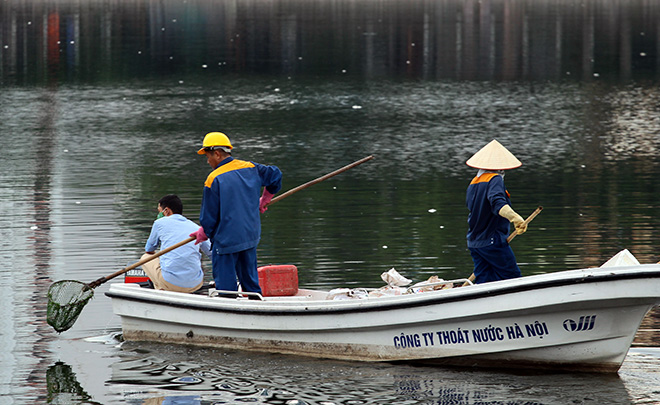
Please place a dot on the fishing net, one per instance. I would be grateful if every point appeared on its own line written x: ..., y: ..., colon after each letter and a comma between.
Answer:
x: 66, y: 299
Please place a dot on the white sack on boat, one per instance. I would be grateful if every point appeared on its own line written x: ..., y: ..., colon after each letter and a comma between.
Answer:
x: 432, y: 284
x: 394, y: 279
x: 623, y: 258
x: 339, y: 294
x: 386, y: 291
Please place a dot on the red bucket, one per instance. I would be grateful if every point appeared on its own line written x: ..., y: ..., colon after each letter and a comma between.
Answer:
x: 278, y: 280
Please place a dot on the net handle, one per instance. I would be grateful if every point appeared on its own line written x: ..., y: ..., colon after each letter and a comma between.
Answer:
x: 102, y: 280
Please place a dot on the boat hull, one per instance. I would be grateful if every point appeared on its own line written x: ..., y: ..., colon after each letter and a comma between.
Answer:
x: 582, y: 320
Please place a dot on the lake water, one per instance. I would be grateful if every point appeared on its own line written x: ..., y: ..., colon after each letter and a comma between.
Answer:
x: 104, y: 103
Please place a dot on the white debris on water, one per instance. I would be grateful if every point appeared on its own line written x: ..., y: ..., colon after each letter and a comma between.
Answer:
x: 110, y: 339
x: 432, y: 210
x: 357, y: 107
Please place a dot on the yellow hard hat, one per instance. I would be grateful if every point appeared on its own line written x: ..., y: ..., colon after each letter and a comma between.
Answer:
x: 214, y: 139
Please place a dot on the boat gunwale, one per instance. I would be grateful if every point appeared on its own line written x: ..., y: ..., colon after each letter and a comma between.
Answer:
x: 394, y: 303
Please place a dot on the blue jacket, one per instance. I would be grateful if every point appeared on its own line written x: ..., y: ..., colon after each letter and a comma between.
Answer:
x: 230, y: 203
x: 486, y: 195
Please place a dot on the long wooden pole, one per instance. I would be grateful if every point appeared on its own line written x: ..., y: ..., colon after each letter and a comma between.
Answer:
x: 102, y: 280
x: 533, y: 215
x: 320, y: 179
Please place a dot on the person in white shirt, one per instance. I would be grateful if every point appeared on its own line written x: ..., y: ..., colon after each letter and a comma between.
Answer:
x: 181, y: 269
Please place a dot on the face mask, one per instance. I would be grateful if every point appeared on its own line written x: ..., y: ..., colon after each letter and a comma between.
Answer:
x: 160, y: 215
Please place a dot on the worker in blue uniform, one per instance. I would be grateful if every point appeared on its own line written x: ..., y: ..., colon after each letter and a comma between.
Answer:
x: 490, y: 209
x: 229, y: 215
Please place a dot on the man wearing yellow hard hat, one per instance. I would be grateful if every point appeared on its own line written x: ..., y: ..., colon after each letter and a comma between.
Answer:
x: 229, y: 215
x: 490, y: 215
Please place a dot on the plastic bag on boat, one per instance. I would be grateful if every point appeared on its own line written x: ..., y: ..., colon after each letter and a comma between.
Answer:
x: 623, y: 258
x: 386, y: 291
x: 394, y: 279
x: 339, y: 294
x: 434, y: 283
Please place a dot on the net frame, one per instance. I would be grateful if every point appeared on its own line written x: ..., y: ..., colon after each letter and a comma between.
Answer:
x: 66, y: 299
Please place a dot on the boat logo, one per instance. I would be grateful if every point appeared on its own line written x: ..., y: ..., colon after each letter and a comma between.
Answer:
x: 584, y: 323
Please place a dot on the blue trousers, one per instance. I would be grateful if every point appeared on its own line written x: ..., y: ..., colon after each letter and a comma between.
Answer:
x: 230, y: 266
x: 492, y: 263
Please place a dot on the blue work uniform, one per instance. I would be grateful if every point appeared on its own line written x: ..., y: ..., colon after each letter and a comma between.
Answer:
x: 487, y: 233
x: 182, y: 266
x: 230, y: 218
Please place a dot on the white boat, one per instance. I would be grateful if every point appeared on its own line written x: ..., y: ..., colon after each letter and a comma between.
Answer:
x: 577, y: 320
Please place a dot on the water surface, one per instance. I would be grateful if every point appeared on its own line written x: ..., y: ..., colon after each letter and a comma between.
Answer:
x: 103, y: 105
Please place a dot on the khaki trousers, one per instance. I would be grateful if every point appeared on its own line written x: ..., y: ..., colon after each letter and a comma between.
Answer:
x: 153, y: 270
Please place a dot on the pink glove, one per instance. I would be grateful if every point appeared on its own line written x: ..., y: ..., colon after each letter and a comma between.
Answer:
x: 199, y: 235
x: 266, y: 196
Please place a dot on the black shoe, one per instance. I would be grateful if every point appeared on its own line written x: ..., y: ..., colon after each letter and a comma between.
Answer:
x: 146, y: 284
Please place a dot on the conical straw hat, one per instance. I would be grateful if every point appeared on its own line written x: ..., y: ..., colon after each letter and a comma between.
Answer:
x: 494, y: 156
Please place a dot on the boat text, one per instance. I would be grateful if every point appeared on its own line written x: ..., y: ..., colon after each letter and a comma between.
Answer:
x: 463, y: 336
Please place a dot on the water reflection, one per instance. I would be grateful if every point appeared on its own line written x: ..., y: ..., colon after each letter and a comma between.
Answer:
x: 165, y: 372
x: 174, y: 400
x: 632, y: 126
x: 63, y: 386
x: 648, y: 334
x: 449, y: 39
